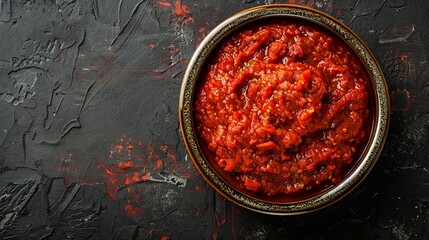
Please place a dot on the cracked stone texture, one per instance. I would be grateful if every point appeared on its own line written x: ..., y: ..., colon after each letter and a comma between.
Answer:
x: 90, y: 145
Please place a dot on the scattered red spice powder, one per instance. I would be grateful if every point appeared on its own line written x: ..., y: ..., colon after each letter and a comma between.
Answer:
x: 130, y: 161
x: 131, y: 210
x: 167, y: 4
x: 180, y: 9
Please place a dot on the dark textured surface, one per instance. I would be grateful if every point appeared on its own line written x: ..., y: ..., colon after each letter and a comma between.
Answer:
x: 90, y: 146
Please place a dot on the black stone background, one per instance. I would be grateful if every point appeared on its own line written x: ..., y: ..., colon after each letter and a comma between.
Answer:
x: 90, y: 146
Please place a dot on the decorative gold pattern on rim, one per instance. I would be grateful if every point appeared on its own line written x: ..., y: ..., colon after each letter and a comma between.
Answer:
x: 381, y: 110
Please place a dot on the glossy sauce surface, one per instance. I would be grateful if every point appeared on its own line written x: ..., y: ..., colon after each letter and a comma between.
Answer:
x: 283, y: 106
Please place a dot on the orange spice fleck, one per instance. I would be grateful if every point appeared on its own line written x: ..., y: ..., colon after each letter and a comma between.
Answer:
x: 129, y: 147
x: 188, y: 19
x: 158, y: 163
x: 125, y: 164
x: 145, y: 177
x: 132, y: 179
x: 167, y: 4
x: 180, y: 9
x: 170, y: 155
x: 119, y: 148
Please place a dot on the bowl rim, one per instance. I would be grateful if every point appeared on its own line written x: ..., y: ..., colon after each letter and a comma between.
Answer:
x: 361, y: 50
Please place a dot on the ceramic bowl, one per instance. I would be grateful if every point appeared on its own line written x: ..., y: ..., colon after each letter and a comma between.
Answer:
x: 224, y: 182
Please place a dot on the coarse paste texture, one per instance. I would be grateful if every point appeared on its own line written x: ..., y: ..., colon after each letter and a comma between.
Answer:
x: 284, y: 107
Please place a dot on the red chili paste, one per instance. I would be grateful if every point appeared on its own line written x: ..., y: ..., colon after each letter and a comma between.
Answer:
x: 283, y: 106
